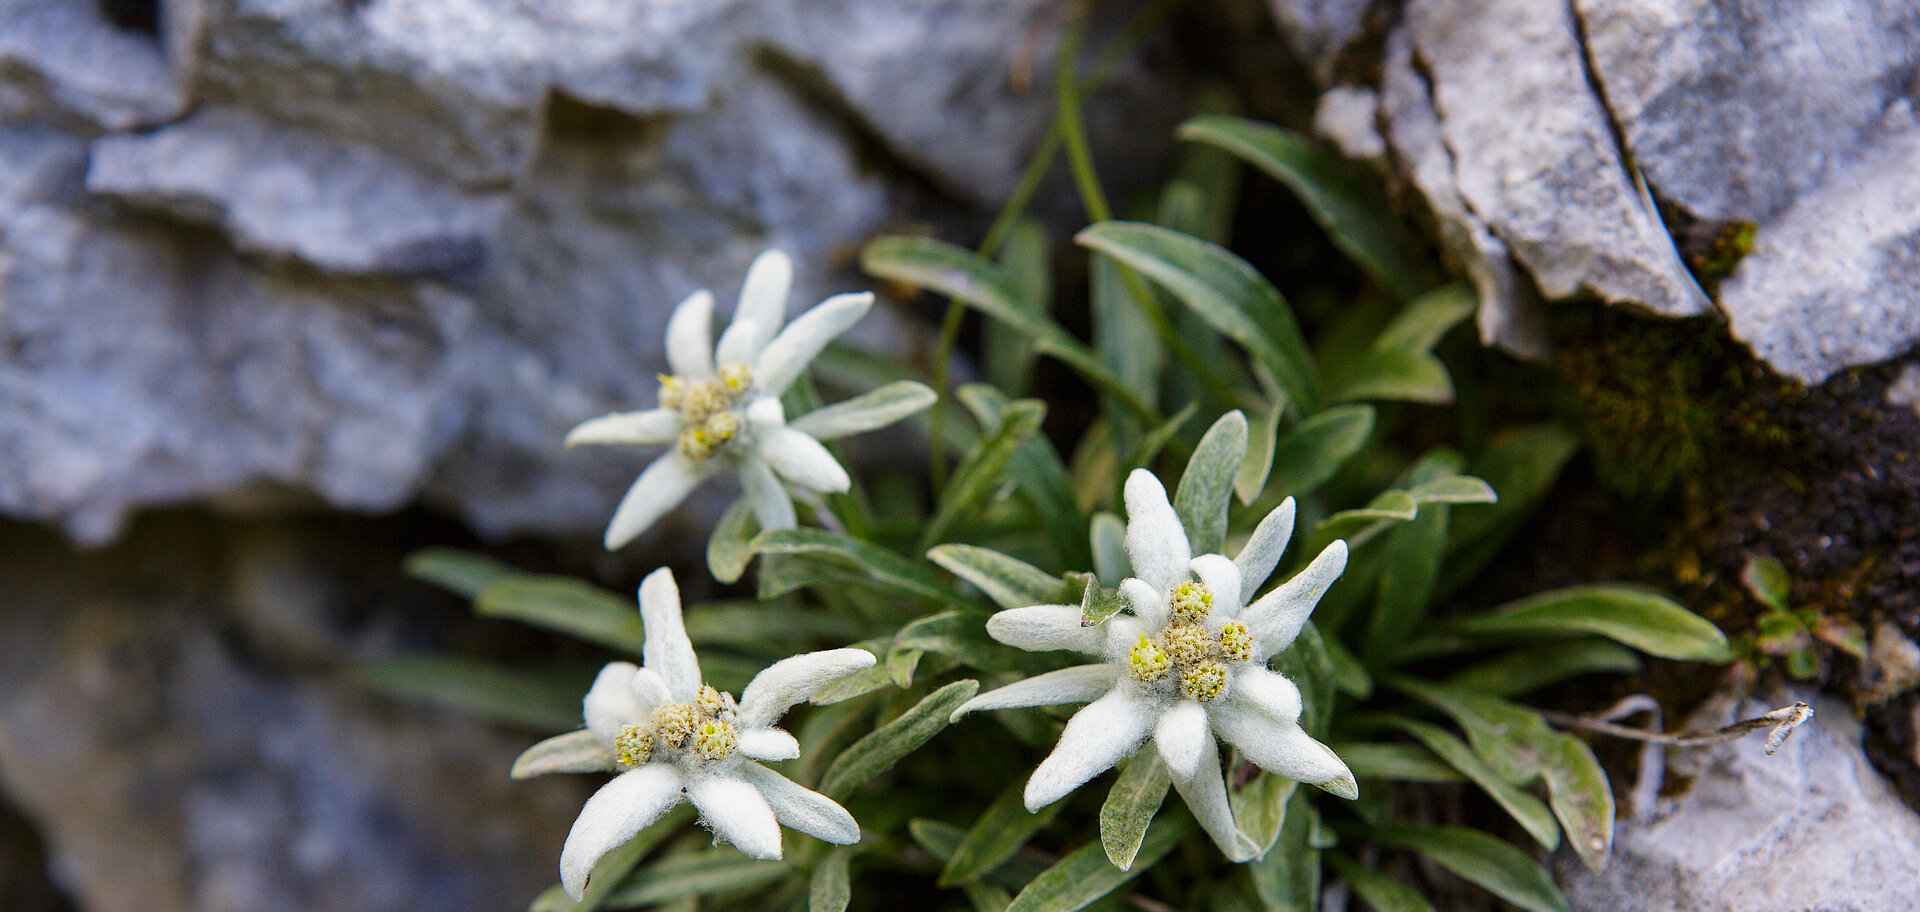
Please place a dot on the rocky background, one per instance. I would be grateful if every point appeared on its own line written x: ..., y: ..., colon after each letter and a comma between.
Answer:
x: 290, y: 287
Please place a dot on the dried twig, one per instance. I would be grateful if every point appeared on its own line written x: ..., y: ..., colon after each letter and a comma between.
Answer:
x: 1783, y: 721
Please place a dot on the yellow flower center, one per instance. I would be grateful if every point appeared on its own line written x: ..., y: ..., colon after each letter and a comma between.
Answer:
x: 706, y: 408
x: 707, y: 728
x: 1186, y: 651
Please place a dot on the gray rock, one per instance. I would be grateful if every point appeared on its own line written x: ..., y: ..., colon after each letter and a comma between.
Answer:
x: 287, y: 192
x: 1510, y: 313
x: 1734, y: 110
x: 63, y: 61
x: 1812, y: 827
x: 1834, y: 279
x: 1535, y: 158
x: 168, y: 772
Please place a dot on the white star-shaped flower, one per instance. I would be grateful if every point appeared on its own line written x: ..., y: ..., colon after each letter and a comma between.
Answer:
x: 1189, y: 664
x: 672, y: 737
x: 721, y: 405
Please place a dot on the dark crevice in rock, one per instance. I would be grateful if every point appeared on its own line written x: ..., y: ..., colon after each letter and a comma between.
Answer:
x: 24, y: 884
x: 871, y: 150
x: 141, y: 16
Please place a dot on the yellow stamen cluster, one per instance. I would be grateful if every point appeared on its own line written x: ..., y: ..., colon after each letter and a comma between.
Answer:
x: 1204, y: 681
x: 707, y: 408
x: 1147, y: 661
x: 1191, y: 602
x: 706, y: 728
x: 1195, y: 657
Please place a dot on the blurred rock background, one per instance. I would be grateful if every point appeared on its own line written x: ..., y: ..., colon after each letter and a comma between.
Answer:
x: 291, y: 287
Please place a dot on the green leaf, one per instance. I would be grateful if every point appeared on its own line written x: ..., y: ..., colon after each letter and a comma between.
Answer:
x: 1110, y: 561
x: 1342, y: 196
x: 1223, y: 290
x: 1511, y: 738
x: 730, y: 547
x: 699, y: 873
x: 984, y: 286
x: 1040, y: 475
x: 1207, y: 485
x: 1260, y: 809
x: 1454, y: 489
x: 1287, y: 878
x: 481, y: 688
x: 1000, y: 831
x: 1395, y: 762
x: 1377, y: 890
x: 612, y: 869
x: 1263, y: 436
x: 1085, y: 874
x: 464, y: 572
x: 884, y: 746
x: 1766, y: 578
x: 1009, y: 581
x: 1483, y: 860
x: 1360, y: 525
x: 1008, y: 354
x: 1540, y: 665
x: 1581, y: 797
x: 1349, y: 674
x: 1649, y: 622
x: 830, y: 887
x: 1532, y: 815
x: 1097, y: 604
x: 1315, y: 449
x: 1308, y: 665
x: 1410, y: 563
x: 878, y: 565
x: 566, y: 605
x: 983, y: 471
x: 1424, y: 321
x: 1130, y: 806
x: 868, y: 411
x: 962, y: 635
x: 1394, y: 374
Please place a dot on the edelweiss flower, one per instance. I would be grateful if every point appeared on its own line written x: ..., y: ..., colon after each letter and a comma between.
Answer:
x: 1189, y: 664
x: 672, y: 737
x: 721, y: 405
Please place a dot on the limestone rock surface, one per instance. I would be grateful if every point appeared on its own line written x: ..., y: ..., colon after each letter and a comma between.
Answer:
x: 1811, y: 827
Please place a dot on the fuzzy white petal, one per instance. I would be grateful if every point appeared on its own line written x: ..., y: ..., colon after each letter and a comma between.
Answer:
x: 1067, y: 685
x: 1096, y: 738
x: 771, y: 504
x: 1206, y: 797
x: 1282, y: 748
x: 1263, y: 550
x: 802, y: 460
x: 690, y: 337
x: 648, y: 428
x: 618, y: 810
x: 1269, y: 692
x: 762, y: 307
x: 794, y: 679
x: 868, y: 411
x: 610, y: 704
x: 769, y: 744
x: 1148, y: 604
x: 790, y: 351
x: 801, y: 808
x: 765, y: 412
x: 1183, y: 738
x: 574, y: 752
x: 1220, y: 575
x: 667, y: 651
x: 1156, y: 542
x: 656, y: 492
x: 650, y: 689
x: 736, y: 812
x: 1038, y: 628
x: 1278, y: 616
